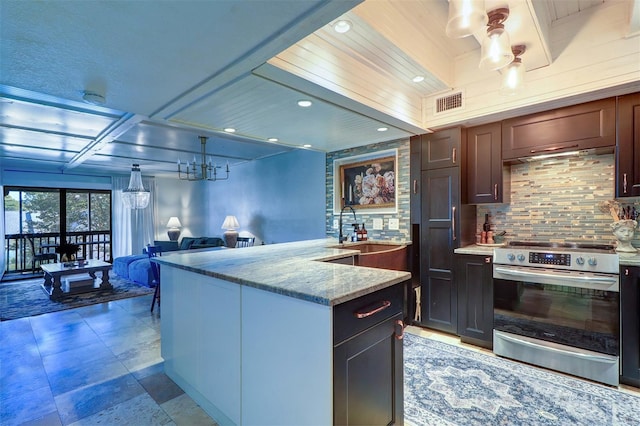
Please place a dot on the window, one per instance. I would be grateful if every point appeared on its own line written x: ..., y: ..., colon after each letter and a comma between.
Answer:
x: 49, y: 216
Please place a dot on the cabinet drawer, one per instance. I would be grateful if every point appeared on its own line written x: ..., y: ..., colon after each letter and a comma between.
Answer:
x: 383, y: 303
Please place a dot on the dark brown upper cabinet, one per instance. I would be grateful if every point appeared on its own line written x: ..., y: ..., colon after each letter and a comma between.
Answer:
x: 583, y: 126
x: 487, y: 180
x: 442, y: 148
x: 628, y: 146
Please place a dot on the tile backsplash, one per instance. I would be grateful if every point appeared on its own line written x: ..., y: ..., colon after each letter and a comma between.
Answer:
x: 558, y: 200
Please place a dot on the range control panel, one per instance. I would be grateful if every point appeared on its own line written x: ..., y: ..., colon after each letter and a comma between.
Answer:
x: 543, y: 258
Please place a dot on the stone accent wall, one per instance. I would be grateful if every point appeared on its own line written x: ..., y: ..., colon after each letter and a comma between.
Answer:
x: 557, y: 200
x: 365, y: 215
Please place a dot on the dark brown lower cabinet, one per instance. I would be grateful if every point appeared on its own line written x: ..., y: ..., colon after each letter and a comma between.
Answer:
x: 474, y: 280
x: 630, y: 323
x: 368, y: 363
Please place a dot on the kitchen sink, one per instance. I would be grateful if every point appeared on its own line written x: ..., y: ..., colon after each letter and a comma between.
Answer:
x: 378, y: 255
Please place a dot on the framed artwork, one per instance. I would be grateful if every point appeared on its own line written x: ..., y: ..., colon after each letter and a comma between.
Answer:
x: 369, y: 184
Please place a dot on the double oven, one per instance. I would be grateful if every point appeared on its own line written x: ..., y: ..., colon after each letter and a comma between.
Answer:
x: 558, y: 306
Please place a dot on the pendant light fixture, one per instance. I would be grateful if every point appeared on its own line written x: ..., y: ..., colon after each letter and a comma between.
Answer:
x: 466, y: 17
x: 135, y: 196
x: 513, y: 74
x: 206, y: 170
x: 496, y: 47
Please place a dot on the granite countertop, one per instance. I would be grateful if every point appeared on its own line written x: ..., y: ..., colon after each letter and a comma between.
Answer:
x: 475, y: 249
x: 297, y: 269
x: 629, y: 259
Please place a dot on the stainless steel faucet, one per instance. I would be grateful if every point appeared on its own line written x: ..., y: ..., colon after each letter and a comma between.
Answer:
x: 342, y: 238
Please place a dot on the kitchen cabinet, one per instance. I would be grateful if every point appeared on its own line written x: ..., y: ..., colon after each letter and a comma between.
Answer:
x: 474, y: 281
x: 577, y: 127
x: 415, y: 158
x: 368, y: 369
x: 630, y: 324
x: 487, y: 180
x: 441, y: 149
x: 445, y: 224
x: 628, y: 147
x: 271, y: 343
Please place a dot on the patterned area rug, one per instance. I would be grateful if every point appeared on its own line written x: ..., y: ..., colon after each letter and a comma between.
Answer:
x: 20, y: 299
x: 448, y: 385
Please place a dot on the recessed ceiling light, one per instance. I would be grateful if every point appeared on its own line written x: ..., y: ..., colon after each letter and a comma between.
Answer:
x: 304, y: 103
x: 342, y: 26
x: 272, y: 139
x: 306, y: 145
x: 418, y: 79
x: 383, y: 129
x: 229, y: 130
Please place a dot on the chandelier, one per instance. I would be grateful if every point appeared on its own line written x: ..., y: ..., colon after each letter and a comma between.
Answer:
x: 135, y: 196
x: 206, y: 170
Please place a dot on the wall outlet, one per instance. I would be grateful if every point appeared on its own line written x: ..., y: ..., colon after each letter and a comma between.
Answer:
x: 377, y: 224
x: 335, y: 223
x: 394, y: 224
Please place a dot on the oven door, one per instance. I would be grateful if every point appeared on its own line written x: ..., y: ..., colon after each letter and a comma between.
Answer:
x: 571, y: 308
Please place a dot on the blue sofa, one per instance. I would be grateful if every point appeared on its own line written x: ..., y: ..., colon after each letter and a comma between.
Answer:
x: 137, y: 268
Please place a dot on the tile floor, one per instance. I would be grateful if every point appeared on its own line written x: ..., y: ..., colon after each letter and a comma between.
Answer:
x: 101, y: 365
x: 95, y: 365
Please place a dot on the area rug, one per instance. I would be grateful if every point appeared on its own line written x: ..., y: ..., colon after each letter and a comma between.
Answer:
x: 448, y: 385
x: 20, y: 299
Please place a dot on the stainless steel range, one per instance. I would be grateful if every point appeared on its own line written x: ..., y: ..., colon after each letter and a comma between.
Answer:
x: 558, y: 306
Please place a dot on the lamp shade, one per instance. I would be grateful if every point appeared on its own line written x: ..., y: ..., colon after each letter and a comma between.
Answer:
x: 174, y: 222
x: 466, y: 17
x: 512, y: 77
x: 230, y: 222
x: 496, y: 50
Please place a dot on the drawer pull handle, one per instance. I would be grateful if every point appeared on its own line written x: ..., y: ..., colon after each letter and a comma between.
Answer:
x: 373, y: 309
x: 400, y: 324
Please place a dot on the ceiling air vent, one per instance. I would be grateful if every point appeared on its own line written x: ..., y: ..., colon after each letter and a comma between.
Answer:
x: 449, y: 102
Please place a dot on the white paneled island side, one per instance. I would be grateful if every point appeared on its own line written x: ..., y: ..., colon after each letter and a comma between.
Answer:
x: 261, y: 335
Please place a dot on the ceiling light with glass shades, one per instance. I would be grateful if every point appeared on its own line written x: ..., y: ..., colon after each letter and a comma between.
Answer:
x: 513, y: 74
x: 206, y: 170
x: 466, y: 17
x: 496, y: 47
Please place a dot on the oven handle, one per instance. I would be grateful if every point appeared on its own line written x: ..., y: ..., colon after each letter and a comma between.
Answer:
x: 519, y: 273
x: 609, y: 360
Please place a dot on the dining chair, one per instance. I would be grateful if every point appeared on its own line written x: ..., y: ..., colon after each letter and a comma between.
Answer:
x: 154, y: 251
x: 245, y: 242
x: 39, y: 256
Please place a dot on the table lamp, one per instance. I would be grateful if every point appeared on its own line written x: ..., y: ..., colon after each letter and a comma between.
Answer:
x: 174, y: 228
x: 230, y: 235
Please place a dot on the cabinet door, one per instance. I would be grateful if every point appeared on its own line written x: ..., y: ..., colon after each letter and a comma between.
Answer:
x: 441, y: 149
x: 588, y: 125
x: 628, y: 148
x: 484, y: 170
x: 440, y: 235
x: 474, y: 281
x: 368, y: 377
x: 414, y: 172
x: 630, y: 323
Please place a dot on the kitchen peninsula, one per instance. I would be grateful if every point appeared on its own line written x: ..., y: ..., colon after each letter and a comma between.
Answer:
x: 284, y: 334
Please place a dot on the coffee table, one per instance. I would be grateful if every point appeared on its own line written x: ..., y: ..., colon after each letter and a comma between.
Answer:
x: 53, y: 272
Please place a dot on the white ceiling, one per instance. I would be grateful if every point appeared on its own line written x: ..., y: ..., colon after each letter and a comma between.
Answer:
x: 173, y: 70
